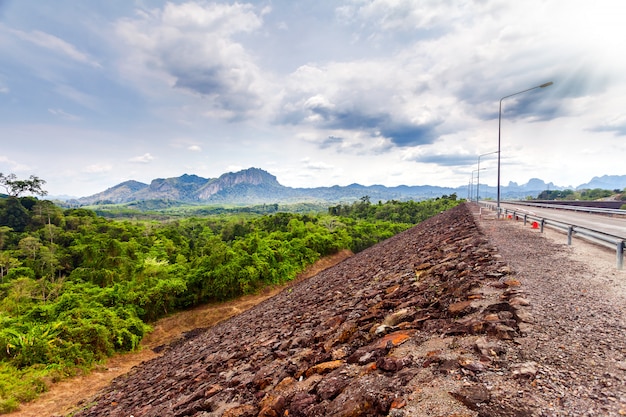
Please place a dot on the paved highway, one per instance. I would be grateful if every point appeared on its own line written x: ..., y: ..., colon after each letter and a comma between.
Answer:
x: 612, y: 225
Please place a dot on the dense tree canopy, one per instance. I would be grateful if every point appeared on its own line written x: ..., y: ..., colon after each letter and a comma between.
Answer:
x: 586, y: 194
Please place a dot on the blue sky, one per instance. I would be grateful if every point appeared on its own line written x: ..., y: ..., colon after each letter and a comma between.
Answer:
x: 318, y: 93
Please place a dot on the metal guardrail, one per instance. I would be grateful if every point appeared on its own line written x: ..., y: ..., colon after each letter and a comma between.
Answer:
x: 595, y: 236
x: 599, y: 210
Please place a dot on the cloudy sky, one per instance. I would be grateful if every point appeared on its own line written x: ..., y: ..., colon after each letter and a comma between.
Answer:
x: 316, y: 92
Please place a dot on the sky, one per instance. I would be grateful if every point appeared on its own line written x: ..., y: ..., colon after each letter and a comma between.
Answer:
x: 316, y: 92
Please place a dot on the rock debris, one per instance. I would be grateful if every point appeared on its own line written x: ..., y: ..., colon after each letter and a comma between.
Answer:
x: 432, y: 322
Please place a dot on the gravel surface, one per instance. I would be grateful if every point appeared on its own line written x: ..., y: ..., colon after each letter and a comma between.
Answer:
x: 576, y: 340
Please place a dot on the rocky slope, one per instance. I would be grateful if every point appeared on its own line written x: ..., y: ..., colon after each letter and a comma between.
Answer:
x: 417, y: 325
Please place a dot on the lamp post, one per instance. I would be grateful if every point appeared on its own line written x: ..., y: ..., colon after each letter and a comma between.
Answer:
x: 544, y: 85
x: 478, y: 178
x: 472, y: 182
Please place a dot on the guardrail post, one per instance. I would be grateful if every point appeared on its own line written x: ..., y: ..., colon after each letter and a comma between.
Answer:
x: 620, y: 255
x: 542, y: 223
x: 525, y: 215
x: 570, y: 232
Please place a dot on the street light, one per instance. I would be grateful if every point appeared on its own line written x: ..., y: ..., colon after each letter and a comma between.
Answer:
x: 478, y: 179
x: 544, y: 85
x: 472, y: 182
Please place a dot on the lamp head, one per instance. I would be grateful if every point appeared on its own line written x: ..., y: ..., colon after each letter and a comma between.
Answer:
x: 546, y: 84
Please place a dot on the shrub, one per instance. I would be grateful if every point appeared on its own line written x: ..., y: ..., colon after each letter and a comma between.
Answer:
x: 19, y: 272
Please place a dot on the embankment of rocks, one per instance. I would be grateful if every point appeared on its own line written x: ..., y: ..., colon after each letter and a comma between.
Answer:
x: 419, y: 324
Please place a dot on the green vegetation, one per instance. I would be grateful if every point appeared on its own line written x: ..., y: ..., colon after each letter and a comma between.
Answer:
x: 16, y: 187
x: 588, y: 195
x: 76, y: 287
x: 167, y: 209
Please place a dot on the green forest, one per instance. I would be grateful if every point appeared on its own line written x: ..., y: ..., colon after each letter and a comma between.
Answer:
x: 587, y: 195
x: 76, y: 287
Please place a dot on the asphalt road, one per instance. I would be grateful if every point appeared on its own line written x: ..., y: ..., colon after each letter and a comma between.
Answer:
x: 615, y: 226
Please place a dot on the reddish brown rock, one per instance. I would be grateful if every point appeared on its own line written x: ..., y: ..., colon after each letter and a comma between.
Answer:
x: 241, y: 411
x: 391, y: 364
x: 395, y: 339
x: 324, y: 368
x: 462, y: 307
x: 272, y: 405
x: 302, y: 404
x: 332, y: 385
x: 339, y: 343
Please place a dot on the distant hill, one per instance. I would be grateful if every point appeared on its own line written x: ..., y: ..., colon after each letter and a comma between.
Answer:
x: 605, y: 182
x: 119, y: 194
x: 256, y: 186
x: 252, y: 186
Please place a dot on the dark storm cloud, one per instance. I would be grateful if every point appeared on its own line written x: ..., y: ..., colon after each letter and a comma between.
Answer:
x: 539, y: 104
x: 218, y: 84
x: 347, y: 119
x: 530, y: 106
x: 206, y: 81
x: 400, y: 133
x: 403, y: 134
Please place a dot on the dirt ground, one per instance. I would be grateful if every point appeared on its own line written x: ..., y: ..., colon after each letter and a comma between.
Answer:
x: 62, y: 397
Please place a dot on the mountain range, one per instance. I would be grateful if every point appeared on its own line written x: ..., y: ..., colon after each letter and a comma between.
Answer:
x: 256, y: 186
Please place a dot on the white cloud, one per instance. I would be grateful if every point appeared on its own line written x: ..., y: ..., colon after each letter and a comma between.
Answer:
x: 370, y: 98
x: 63, y: 114
x: 235, y: 168
x: 55, y: 44
x: 191, y: 46
x: 367, y: 89
x: 14, y: 166
x: 187, y: 143
x: 97, y: 168
x: 393, y: 15
x: 77, y: 96
x: 316, y: 165
x: 143, y: 159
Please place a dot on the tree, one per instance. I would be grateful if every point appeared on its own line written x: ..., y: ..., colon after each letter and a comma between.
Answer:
x: 6, y: 263
x: 15, y: 187
x: 30, y: 246
x: 13, y: 214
